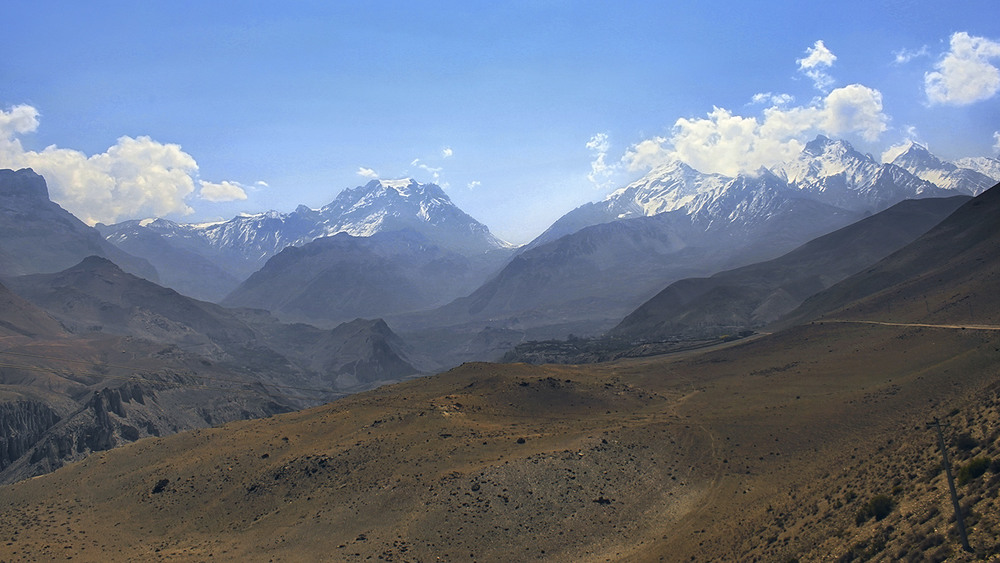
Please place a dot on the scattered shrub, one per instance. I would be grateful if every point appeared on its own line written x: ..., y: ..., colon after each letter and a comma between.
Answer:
x: 966, y: 442
x: 160, y: 486
x: 976, y: 467
x: 878, y: 508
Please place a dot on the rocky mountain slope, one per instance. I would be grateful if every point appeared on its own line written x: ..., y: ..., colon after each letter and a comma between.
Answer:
x: 185, y: 262
x: 750, y: 297
x: 945, y: 276
x: 36, y: 235
x: 96, y: 296
x: 115, y: 358
x: 341, y: 277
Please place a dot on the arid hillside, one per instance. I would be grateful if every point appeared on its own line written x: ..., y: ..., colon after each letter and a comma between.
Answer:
x: 765, y: 450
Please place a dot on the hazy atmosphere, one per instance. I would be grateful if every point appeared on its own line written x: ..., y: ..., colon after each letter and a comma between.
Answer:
x: 500, y: 281
x: 521, y: 111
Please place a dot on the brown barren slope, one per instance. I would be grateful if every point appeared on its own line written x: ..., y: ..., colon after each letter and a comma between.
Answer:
x: 763, y: 450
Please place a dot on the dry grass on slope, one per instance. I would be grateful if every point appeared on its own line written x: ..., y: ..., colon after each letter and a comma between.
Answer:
x: 762, y: 451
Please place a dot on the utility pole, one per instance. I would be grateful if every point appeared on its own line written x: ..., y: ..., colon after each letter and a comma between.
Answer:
x: 959, y: 519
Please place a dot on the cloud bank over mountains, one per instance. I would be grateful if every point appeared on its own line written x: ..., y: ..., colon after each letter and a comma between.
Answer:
x: 726, y: 142
x: 136, y: 177
x: 141, y: 177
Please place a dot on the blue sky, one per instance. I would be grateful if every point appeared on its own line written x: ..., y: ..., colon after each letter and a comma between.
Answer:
x: 521, y: 110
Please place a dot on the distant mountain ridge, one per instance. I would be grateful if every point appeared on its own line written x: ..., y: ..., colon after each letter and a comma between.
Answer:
x: 748, y: 298
x: 242, y: 245
x: 378, y: 206
x: 827, y: 170
x: 337, y: 278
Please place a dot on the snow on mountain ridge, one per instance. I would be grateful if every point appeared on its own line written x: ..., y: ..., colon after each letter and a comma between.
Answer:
x: 989, y: 167
x: 919, y: 161
x: 249, y: 239
x: 827, y: 171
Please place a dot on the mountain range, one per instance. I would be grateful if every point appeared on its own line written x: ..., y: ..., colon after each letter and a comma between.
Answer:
x: 232, y: 250
x: 811, y: 443
x: 602, y: 260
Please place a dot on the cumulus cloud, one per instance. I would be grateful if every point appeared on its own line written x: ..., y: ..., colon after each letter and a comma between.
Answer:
x: 996, y: 142
x: 136, y: 177
x: 814, y: 65
x: 903, y: 56
x: 222, y: 191
x: 367, y: 173
x: 19, y: 120
x: 647, y: 153
x: 474, y: 184
x: 964, y: 74
x: 447, y: 152
x: 262, y: 184
x: 727, y: 143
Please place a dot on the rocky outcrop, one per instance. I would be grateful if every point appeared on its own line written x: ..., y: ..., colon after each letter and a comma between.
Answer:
x: 22, y: 423
x: 112, y: 417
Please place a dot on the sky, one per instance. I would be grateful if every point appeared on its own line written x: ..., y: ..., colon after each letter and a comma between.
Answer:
x: 520, y: 110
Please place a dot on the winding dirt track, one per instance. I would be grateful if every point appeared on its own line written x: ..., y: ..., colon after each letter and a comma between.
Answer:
x: 920, y: 325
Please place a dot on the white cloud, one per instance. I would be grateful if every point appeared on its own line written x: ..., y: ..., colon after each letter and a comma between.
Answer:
x: 434, y: 172
x: 773, y: 99
x: 854, y: 109
x: 600, y: 172
x: 367, y: 173
x: 20, y: 119
x: 904, y: 56
x: 964, y: 74
x: 729, y: 144
x: 447, y: 152
x: 137, y: 177
x: 996, y: 142
x: 222, y: 191
x: 647, y: 154
x: 818, y: 58
x: 474, y: 184
x: 911, y: 137
x: 262, y: 184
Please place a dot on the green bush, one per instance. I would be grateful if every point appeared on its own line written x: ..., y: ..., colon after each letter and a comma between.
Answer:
x: 976, y: 467
x: 878, y: 508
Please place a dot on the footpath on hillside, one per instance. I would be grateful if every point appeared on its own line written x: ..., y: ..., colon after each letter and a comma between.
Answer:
x: 920, y: 325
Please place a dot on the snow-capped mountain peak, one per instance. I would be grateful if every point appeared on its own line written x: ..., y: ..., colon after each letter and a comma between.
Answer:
x: 918, y: 160
x: 248, y: 240
x: 827, y: 171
